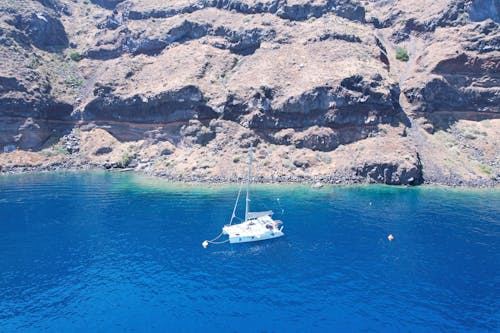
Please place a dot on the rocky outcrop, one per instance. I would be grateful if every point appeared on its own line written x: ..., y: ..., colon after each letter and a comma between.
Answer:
x: 240, y: 42
x: 28, y: 109
x: 168, y: 107
x: 320, y: 119
x: 42, y: 30
x: 458, y: 76
x: 295, y: 11
x: 412, y: 16
x: 460, y: 86
x: 392, y: 173
x: 196, y: 133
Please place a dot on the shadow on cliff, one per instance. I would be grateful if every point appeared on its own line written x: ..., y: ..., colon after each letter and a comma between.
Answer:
x: 322, y: 118
x: 37, y: 129
x: 42, y: 30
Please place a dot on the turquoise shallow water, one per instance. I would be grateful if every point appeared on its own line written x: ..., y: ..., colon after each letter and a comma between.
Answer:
x: 113, y: 252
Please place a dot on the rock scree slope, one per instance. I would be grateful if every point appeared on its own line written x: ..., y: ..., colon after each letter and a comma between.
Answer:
x: 340, y: 91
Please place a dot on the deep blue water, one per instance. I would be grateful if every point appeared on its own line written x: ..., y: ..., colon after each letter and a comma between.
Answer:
x: 103, y: 252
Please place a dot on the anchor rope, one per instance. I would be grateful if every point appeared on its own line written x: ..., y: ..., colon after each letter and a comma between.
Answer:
x: 217, y: 243
x: 214, y: 241
x: 218, y: 236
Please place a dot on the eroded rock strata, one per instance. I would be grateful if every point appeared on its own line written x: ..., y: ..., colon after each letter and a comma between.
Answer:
x: 334, y: 90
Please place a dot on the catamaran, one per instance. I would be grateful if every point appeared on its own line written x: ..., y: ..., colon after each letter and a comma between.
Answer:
x: 257, y: 226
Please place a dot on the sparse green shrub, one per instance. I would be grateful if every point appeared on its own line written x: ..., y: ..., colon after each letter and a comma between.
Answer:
x: 60, y: 149
x: 477, y: 132
x: 126, y: 159
x: 470, y: 136
x: 486, y: 169
x: 75, y: 56
x: 235, y: 61
x: 74, y: 82
x: 402, y: 54
x: 284, y: 155
x: 323, y: 157
x: 47, y: 152
x: 132, y: 149
x: 34, y: 63
x: 288, y: 165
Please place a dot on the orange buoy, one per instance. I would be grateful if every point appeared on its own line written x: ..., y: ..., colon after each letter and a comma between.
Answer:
x: 390, y: 237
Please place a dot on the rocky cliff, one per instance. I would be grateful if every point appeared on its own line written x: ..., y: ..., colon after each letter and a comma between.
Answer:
x: 396, y: 92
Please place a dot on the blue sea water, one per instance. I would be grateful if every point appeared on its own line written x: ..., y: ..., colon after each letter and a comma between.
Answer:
x: 103, y: 252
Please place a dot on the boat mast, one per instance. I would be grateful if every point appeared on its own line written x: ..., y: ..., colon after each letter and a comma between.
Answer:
x: 236, y: 204
x: 248, y: 183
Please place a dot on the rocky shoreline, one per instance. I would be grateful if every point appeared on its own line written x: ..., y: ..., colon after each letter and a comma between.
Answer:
x: 340, y: 179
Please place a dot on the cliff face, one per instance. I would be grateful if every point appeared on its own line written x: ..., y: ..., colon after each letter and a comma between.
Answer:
x: 328, y: 89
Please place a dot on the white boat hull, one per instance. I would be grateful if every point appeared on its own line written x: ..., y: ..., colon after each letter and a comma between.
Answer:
x: 246, y: 239
x: 261, y: 228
